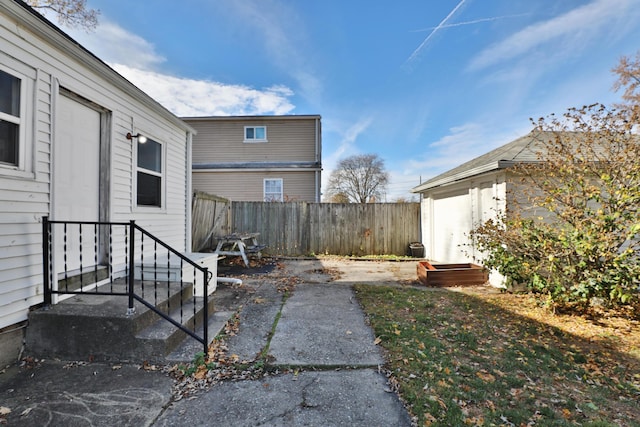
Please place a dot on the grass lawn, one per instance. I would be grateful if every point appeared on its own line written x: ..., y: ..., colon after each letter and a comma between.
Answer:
x: 480, y: 357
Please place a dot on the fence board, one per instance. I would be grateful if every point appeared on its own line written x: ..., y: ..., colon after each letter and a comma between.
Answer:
x: 209, y: 218
x: 301, y: 228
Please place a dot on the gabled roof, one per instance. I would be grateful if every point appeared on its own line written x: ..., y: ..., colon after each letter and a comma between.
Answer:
x: 36, y: 23
x: 522, y: 150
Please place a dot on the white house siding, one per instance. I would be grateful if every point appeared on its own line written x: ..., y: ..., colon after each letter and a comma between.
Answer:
x: 450, y: 212
x: 249, y: 186
x: 52, y: 63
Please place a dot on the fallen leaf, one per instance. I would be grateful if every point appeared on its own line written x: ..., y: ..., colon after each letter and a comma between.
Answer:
x: 4, y: 410
x: 377, y: 341
x: 485, y: 376
x: 429, y: 419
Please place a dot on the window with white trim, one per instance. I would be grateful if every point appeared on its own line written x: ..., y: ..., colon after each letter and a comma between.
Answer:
x: 149, y: 173
x: 273, y: 190
x: 11, y: 120
x: 255, y: 134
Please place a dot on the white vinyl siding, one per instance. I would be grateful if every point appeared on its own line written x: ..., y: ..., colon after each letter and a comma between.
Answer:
x: 47, y: 62
x: 449, y: 213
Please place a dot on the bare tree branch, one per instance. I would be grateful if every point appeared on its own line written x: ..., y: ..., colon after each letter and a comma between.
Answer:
x: 72, y: 13
x: 359, y: 179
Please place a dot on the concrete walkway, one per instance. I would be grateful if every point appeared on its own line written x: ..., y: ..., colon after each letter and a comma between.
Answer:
x: 320, y: 341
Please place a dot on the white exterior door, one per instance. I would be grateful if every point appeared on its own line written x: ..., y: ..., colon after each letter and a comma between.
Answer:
x: 451, y: 225
x: 76, y: 180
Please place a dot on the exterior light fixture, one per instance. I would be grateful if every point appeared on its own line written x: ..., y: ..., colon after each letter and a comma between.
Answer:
x: 141, y: 138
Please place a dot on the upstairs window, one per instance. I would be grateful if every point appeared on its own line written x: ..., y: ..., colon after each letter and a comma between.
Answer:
x: 273, y: 190
x: 255, y: 134
x: 149, y: 185
x: 10, y: 120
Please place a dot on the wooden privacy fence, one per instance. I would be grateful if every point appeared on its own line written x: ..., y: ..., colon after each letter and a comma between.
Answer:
x: 301, y: 228
x: 209, y: 218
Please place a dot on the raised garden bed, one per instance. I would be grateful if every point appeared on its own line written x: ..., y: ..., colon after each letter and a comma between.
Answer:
x: 464, y: 274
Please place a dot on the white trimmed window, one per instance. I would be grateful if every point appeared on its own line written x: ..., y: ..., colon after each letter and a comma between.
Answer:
x: 273, y: 190
x: 12, y: 121
x: 149, y: 174
x: 255, y: 134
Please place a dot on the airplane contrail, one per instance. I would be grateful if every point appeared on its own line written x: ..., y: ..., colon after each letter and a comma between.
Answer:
x: 440, y: 25
x: 475, y: 21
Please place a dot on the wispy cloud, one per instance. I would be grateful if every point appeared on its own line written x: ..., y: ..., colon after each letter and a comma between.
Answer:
x: 347, y: 137
x: 188, y: 97
x: 138, y: 61
x: 461, y: 144
x: 283, y: 34
x: 113, y: 43
x: 575, y: 26
x: 415, y: 53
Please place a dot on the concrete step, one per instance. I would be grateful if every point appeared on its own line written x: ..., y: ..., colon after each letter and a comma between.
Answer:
x: 97, y: 327
x: 162, y: 337
x: 189, y: 347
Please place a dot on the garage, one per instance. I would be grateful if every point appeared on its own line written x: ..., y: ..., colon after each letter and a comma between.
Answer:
x: 451, y: 222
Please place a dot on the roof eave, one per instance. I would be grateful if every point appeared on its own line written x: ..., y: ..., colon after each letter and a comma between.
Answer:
x: 47, y: 31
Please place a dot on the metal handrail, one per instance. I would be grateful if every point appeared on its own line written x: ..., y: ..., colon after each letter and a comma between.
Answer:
x: 130, y: 254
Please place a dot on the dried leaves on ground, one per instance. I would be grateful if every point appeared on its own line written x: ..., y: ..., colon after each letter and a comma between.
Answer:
x: 474, y: 357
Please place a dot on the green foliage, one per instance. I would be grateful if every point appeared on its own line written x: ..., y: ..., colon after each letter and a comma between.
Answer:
x: 199, y: 362
x: 586, y: 185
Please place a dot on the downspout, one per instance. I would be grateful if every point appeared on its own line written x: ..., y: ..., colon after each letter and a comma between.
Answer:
x: 318, y: 159
x: 189, y: 195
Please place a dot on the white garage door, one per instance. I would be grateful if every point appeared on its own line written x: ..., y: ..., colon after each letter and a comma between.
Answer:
x: 451, y: 223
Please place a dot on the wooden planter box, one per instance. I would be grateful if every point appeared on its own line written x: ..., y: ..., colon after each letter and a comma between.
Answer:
x: 452, y: 274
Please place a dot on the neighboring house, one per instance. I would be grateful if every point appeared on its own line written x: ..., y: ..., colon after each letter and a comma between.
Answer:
x: 65, y: 154
x: 258, y: 158
x: 455, y: 202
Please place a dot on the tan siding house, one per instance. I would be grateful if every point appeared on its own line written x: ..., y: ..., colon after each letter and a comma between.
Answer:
x: 258, y: 158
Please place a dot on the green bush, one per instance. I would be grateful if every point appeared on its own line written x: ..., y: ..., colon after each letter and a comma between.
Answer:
x: 586, y: 185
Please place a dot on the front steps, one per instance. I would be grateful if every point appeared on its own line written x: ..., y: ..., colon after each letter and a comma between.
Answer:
x: 97, y: 327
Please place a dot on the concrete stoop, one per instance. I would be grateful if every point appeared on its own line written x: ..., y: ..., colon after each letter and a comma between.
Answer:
x: 97, y: 328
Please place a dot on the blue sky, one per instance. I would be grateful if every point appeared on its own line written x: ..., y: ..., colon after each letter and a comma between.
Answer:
x: 424, y: 84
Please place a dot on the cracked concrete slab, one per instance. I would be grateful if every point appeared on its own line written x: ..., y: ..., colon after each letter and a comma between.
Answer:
x: 336, y: 398
x: 323, y: 325
x: 71, y: 394
x: 256, y: 322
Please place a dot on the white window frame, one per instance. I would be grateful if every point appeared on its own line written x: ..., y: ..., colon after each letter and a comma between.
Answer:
x: 27, y: 78
x: 162, y: 175
x: 273, y: 197
x: 254, y: 139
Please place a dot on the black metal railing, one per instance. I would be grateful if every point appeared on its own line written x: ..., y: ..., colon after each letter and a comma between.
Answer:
x: 123, y: 259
